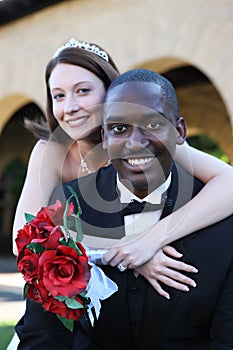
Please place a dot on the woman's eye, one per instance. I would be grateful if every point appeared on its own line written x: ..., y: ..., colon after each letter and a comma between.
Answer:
x: 58, y: 96
x: 83, y: 91
x: 118, y: 129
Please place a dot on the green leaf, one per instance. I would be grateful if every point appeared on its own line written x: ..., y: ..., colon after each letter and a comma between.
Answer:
x: 74, y: 194
x: 68, y: 323
x: 36, y: 247
x: 29, y: 217
x: 65, y: 216
x: 25, y: 290
x: 79, y: 230
x: 78, y: 224
x: 73, y: 304
x: 83, y: 294
x: 60, y: 297
x: 70, y: 243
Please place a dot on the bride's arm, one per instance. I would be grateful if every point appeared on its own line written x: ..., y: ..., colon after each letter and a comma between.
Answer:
x: 41, y: 179
x: 214, y: 201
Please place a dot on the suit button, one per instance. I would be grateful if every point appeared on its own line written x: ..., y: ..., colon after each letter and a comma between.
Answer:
x: 133, y: 290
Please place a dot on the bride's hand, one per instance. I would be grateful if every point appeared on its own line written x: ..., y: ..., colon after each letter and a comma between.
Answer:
x: 161, y: 269
x: 132, y: 251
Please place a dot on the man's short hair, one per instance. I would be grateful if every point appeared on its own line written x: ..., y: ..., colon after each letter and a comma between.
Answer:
x: 148, y: 76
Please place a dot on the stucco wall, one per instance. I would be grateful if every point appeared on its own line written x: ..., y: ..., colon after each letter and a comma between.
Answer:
x: 135, y: 32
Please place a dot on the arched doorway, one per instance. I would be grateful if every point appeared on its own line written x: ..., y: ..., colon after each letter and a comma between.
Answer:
x: 16, y: 143
x: 203, y: 109
x: 200, y: 102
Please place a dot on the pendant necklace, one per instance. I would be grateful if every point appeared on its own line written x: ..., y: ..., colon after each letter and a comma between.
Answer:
x: 84, y: 165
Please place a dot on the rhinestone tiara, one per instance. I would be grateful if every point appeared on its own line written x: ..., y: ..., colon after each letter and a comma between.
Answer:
x: 73, y: 43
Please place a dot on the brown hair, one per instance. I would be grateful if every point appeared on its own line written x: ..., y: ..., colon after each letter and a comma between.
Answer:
x: 106, y: 71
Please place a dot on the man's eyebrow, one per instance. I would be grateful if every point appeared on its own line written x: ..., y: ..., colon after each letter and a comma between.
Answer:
x: 115, y: 118
x: 153, y: 115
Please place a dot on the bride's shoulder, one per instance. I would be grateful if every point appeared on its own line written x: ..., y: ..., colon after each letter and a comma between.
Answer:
x: 49, y: 148
x: 47, y: 155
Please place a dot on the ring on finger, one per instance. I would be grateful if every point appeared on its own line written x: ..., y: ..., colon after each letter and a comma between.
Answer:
x: 121, y: 267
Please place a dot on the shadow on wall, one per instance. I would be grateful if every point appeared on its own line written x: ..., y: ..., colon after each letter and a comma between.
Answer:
x: 10, y: 188
x: 16, y: 143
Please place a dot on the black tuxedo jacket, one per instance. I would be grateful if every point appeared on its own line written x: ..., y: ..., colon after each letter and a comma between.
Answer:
x: 136, y: 317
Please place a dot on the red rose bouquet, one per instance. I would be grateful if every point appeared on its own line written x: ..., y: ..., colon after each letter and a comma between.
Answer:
x: 56, y: 267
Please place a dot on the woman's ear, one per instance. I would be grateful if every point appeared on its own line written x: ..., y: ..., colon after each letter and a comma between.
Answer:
x: 181, y: 131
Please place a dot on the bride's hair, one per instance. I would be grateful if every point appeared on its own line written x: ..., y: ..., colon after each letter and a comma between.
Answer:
x: 106, y: 71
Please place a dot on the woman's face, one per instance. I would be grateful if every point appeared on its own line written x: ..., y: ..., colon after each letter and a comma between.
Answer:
x: 77, y: 95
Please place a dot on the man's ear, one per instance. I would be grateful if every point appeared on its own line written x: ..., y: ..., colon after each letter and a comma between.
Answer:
x: 181, y: 131
x: 104, y: 143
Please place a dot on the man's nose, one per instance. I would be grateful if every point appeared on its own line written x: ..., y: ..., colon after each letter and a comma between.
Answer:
x: 138, y: 140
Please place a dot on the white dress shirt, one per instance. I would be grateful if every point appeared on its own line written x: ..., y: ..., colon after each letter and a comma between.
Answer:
x: 137, y: 223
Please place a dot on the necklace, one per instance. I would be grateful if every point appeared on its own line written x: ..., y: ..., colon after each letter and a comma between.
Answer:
x: 84, y: 165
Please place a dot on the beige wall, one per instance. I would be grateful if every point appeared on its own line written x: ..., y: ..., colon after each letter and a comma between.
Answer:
x: 159, y: 34
x: 155, y: 34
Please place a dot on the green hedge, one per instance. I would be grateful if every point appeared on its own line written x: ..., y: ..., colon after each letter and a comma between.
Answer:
x: 6, y: 333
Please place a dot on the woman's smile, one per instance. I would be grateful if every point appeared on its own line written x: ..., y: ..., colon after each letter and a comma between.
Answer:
x: 76, y: 94
x: 77, y: 121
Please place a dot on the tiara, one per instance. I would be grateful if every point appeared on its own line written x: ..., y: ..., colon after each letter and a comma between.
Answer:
x: 73, y: 43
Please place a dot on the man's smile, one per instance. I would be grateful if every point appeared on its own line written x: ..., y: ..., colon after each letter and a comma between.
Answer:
x: 139, y: 161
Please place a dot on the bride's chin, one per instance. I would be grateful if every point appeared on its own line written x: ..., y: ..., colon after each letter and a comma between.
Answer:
x: 93, y: 135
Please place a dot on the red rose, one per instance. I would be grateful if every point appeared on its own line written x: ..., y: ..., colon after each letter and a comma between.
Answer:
x: 56, y: 271
x: 38, y: 293
x: 63, y: 271
x: 24, y: 237
x: 51, y: 240
x: 28, y: 265
x: 51, y: 215
x: 46, y: 224
x: 60, y: 308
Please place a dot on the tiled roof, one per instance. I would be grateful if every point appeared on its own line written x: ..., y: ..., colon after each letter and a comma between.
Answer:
x: 11, y: 10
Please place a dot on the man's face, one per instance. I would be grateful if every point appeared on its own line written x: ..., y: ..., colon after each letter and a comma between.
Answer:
x: 141, y: 135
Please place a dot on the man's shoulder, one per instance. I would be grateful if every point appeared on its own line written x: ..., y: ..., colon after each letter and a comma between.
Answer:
x: 100, y: 182
x: 97, y: 178
x: 183, y: 187
x: 187, y: 179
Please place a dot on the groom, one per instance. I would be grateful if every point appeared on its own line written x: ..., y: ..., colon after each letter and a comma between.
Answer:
x: 141, y: 129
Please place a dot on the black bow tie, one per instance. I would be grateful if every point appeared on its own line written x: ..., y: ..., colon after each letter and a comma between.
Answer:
x: 136, y: 207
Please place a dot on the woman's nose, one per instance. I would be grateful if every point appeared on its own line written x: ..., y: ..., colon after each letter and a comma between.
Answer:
x: 71, y: 105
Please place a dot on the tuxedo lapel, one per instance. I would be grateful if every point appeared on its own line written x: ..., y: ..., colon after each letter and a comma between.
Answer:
x: 157, y: 307
x: 101, y: 215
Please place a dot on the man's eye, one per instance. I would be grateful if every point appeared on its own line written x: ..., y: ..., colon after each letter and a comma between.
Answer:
x: 119, y: 129
x: 153, y: 125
